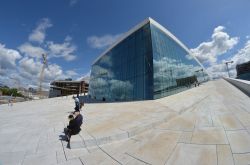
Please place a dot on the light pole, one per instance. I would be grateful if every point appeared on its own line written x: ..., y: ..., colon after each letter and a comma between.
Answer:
x: 202, y: 73
x: 228, y: 62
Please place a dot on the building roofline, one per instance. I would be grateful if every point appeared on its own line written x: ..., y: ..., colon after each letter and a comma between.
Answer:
x: 141, y: 24
x: 65, y: 81
x: 125, y: 35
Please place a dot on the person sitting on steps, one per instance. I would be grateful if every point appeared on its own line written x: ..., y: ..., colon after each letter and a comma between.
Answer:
x: 73, y: 128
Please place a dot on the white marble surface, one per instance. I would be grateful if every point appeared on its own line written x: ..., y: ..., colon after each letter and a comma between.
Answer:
x: 205, y: 125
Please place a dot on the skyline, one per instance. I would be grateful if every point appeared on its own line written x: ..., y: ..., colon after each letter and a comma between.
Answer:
x: 78, y: 32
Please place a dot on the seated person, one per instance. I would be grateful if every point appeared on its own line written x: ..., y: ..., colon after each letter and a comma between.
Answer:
x: 78, y: 118
x: 73, y: 128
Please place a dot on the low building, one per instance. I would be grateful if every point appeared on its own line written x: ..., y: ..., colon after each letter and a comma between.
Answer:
x: 243, y: 71
x: 67, y: 87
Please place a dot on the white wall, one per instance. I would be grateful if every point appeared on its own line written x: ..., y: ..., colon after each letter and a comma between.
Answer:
x: 243, y: 85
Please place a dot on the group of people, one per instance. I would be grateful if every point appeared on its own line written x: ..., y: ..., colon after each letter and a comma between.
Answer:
x: 75, y: 120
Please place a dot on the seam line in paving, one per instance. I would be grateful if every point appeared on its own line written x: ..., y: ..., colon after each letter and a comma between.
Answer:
x: 24, y: 157
x: 109, y: 155
x: 57, y: 158
x: 217, y: 154
x: 228, y: 143
x: 241, y: 152
x: 64, y: 151
x: 84, y: 143
x: 171, y: 153
x: 81, y: 161
x: 136, y: 158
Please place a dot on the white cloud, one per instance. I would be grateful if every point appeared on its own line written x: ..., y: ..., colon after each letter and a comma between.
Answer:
x: 64, y: 50
x: 32, y: 51
x: 30, y: 66
x: 30, y: 70
x: 243, y: 55
x: 220, y: 70
x: 38, y: 34
x: 220, y: 43
x: 71, y: 73
x: 103, y: 41
x: 8, y: 58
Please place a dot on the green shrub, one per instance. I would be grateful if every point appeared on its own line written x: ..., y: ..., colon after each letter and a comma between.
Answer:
x: 9, y: 91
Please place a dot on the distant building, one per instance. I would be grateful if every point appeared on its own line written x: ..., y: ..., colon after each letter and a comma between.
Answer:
x: 67, y: 87
x: 243, y: 71
x: 148, y: 62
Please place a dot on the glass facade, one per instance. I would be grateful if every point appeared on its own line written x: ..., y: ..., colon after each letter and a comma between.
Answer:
x: 147, y: 64
x: 174, y: 68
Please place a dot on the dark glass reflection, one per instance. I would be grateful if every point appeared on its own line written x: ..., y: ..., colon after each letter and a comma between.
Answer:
x: 174, y: 69
x: 148, y: 64
x: 125, y: 72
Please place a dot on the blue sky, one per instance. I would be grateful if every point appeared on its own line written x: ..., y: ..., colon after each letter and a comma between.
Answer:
x: 74, y: 32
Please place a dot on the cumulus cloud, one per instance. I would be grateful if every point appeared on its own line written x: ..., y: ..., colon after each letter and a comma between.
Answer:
x: 243, y: 55
x: 38, y: 34
x: 8, y: 58
x: 103, y: 41
x: 30, y: 69
x: 71, y: 73
x: 220, y: 70
x: 31, y: 50
x: 30, y: 66
x: 65, y: 50
x: 26, y: 71
x: 221, y: 42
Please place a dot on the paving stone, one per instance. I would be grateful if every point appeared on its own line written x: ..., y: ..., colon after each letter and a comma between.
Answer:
x: 209, y: 135
x: 152, y: 131
x: 239, y: 141
x: 135, y: 162
x: 181, y: 123
x: 185, y: 137
x: 191, y: 154
x: 155, y: 146
x: 242, y: 159
x: 75, y: 153
x: 244, y: 118
x: 60, y: 156
x: 40, y: 159
x: 12, y: 158
x: 97, y: 157
x: 225, y: 156
x: 230, y: 122
x: 76, y: 161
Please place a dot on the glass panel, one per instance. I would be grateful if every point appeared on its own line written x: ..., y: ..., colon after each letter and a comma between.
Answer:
x: 124, y: 72
x: 174, y: 69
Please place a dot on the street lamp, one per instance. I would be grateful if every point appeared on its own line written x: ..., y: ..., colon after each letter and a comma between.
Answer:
x: 202, y: 73
x: 228, y: 62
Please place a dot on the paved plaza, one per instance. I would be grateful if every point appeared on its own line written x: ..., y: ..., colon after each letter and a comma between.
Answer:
x: 207, y: 125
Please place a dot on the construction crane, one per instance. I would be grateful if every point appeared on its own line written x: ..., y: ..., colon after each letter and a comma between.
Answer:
x: 42, y: 74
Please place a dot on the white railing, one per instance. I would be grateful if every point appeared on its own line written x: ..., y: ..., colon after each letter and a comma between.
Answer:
x: 243, y: 85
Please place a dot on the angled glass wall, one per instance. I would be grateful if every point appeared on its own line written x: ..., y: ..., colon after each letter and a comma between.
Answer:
x: 125, y: 72
x: 147, y: 64
x: 174, y: 68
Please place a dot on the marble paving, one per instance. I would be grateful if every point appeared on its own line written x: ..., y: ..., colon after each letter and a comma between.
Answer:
x: 207, y: 125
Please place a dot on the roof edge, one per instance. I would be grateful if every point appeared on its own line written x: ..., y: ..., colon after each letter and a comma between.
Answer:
x: 125, y: 35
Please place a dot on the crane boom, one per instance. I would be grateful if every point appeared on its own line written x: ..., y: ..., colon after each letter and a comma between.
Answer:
x: 42, y: 73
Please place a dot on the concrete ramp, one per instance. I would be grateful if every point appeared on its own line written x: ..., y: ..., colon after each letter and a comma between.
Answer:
x: 209, y: 124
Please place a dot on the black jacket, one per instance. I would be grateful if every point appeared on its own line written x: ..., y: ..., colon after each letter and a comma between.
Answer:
x: 73, y: 127
x: 78, y: 119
